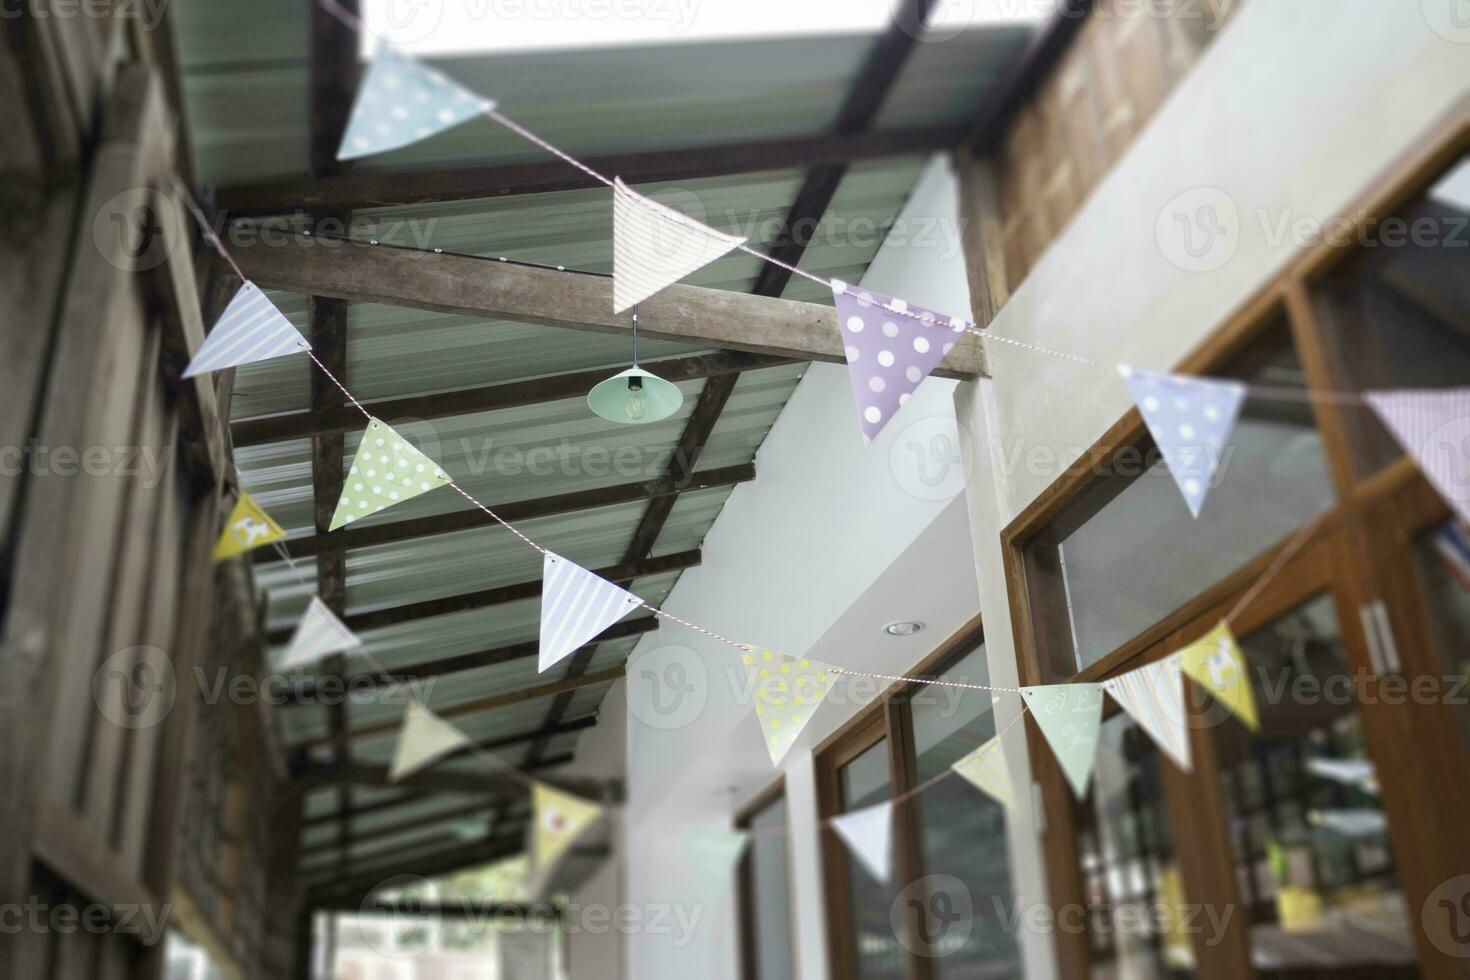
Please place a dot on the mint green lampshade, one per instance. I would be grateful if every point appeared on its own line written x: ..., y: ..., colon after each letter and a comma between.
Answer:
x: 635, y: 397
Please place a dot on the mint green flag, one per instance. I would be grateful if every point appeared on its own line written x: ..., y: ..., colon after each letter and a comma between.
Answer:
x: 1069, y: 715
x: 713, y: 854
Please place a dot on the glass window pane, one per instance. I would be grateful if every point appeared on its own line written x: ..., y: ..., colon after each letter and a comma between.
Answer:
x: 1443, y: 559
x: 1111, y: 566
x: 1311, y: 849
x: 770, y: 893
x: 865, y: 782
x: 1135, y: 894
x: 962, y: 833
x: 1397, y: 314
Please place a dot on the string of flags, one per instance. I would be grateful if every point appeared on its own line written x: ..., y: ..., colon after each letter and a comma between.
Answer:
x: 891, y: 347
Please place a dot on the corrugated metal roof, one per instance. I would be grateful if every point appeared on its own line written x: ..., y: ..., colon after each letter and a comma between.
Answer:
x: 245, y: 82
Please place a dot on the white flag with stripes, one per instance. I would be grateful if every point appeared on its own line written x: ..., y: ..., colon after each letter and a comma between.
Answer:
x: 319, y: 633
x: 424, y: 739
x: 654, y: 247
x: 575, y: 606
x: 251, y: 329
x: 1433, y: 426
x: 1153, y: 696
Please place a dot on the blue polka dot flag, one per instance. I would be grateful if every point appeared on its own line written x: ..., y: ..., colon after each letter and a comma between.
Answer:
x: 1190, y: 418
x: 401, y: 102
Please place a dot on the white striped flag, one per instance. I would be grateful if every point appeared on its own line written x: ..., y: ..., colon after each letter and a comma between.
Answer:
x: 575, y: 606
x: 250, y: 329
x: 319, y: 633
x: 654, y: 246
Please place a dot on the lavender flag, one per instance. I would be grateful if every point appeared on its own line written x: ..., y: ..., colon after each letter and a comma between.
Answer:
x: 891, y: 347
x: 1190, y: 418
x: 1433, y: 426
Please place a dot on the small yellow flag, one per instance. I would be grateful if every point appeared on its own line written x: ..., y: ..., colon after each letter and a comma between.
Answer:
x: 249, y: 527
x: 1217, y: 662
x: 560, y: 819
x: 986, y: 770
x: 787, y: 690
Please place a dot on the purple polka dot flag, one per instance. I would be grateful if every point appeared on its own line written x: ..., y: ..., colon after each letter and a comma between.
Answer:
x: 1190, y: 418
x: 401, y: 102
x: 1433, y: 426
x: 888, y: 353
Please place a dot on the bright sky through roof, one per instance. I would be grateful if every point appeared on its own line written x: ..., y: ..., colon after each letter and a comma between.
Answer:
x: 463, y: 26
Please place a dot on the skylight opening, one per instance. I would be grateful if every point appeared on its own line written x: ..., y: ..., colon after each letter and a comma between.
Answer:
x: 442, y: 27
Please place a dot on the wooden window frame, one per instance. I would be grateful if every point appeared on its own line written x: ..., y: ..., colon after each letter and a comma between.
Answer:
x: 745, y: 879
x: 887, y: 717
x: 1347, y: 531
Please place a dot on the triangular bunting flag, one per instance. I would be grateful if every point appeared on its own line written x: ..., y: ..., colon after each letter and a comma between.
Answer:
x: 1216, y: 661
x: 1433, y: 426
x: 249, y: 527
x: 250, y: 329
x: 424, y: 739
x: 1069, y: 715
x: 985, y: 768
x: 1154, y: 697
x: 1189, y: 418
x: 387, y: 470
x: 560, y: 819
x: 319, y: 633
x: 402, y: 101
x: 713, y: 854
x: 787, y: 691
x: 575, y: 606
x: 654, y: 247
x: 888, y: 353
x: 869, y: 833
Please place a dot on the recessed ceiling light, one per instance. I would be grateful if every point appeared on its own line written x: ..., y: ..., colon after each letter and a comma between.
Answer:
x: 904, y: 627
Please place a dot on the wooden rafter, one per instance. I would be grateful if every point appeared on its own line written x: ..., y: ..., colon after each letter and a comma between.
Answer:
x: 516, y: 511
x: 469, y: 401
x: 499, y: 595
x: 306, y: 693
x: 440, y: 780
x: 397, y: 188
x: 482, y: 287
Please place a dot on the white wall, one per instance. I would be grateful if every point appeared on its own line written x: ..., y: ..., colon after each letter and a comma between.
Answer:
x: 788, y: 557
x: 1292, y: 113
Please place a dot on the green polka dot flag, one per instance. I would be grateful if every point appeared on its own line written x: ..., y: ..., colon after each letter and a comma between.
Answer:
x: 388, y: 469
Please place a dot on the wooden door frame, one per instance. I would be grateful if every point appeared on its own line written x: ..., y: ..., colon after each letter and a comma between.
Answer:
x: 745, y: 879
x: 1288, y: 293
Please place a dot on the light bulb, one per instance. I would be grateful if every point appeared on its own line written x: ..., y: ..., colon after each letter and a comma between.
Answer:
x: 636, y: 406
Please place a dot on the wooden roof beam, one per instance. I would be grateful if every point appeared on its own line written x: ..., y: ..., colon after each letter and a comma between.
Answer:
x: 482, y: 287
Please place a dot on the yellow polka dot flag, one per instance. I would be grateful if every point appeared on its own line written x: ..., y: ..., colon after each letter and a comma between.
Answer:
x: 1216, y: 661
x: 249, y: 527
x: 388, y: 469
x: 985, y: 769
x: 560, y: 819
x: 787, y: 690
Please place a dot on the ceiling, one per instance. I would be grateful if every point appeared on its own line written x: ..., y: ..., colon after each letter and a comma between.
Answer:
x: 245, y: 85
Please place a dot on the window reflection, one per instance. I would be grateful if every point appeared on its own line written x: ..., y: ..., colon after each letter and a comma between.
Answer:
x: 1307, y: 828
x: 864, y: 782
x: 1443, y: 558
x: 1135, y: 894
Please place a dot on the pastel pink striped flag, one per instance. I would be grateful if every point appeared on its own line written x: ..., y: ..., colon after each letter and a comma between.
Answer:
x: 1153, y: 696
x: 1433, y: 426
